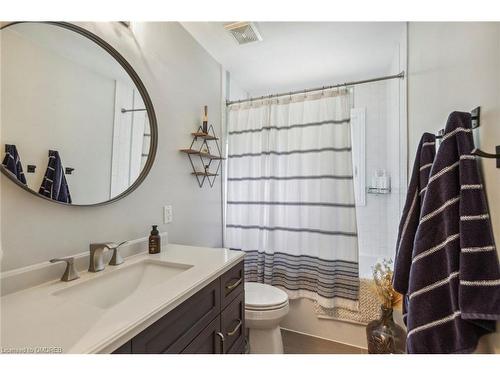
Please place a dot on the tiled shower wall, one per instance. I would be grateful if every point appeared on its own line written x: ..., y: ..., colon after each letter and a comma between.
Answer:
x: 378, y: 220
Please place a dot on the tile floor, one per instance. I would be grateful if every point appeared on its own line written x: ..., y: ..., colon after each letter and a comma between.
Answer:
x: 296, y: 343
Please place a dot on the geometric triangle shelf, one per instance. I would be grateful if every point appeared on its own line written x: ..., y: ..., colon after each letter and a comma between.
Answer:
x: 209, y: 158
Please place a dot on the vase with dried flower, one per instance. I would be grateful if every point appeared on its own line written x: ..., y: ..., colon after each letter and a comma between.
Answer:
x: 384, y: 336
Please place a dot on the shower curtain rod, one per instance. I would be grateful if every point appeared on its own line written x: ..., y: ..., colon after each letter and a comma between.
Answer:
x: 400, y: 75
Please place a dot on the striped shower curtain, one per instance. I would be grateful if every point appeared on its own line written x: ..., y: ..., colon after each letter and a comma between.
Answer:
x: 290, y: 195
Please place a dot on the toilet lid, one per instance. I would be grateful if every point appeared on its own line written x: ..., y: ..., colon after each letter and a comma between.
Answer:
x: 260, y: 296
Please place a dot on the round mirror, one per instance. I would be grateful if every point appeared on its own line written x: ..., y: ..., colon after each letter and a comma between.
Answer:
x: 77, y: 124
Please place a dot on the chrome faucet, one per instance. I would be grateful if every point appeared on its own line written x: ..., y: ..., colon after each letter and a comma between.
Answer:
x: 70, y: 272
x: 96, y: 262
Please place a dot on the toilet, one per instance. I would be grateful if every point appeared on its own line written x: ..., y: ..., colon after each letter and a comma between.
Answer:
x: 265, y: 307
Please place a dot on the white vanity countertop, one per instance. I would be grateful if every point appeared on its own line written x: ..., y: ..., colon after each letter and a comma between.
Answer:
x: 35, y: 318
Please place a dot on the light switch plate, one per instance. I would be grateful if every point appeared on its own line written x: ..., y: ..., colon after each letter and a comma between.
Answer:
x: 167, y: 214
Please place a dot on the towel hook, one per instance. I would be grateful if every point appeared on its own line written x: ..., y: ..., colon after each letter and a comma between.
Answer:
x: 482, y: 154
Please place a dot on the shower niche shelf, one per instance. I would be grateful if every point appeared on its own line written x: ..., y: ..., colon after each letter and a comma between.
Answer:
x: 205, y: 156
x: 378, y: 191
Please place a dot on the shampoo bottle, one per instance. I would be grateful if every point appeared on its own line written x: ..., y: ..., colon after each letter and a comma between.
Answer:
x: 154, y: 241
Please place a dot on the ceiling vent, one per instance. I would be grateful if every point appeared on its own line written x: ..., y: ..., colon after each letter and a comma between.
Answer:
x: 244, y: 32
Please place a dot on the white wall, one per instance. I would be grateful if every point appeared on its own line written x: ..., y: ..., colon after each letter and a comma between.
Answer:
x: 456, y: 66
x: 236, y: 92
x: 66, y: 108
x: 180, y: 77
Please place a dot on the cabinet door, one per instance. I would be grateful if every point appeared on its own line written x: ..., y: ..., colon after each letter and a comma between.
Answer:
x: 232, y: 284
x: 209, y: 341
x: 173, y: 332
x: 124, y: 349
x: 233, y: 325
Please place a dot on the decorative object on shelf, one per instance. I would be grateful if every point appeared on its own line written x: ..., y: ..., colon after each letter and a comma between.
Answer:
x: 381, y: 180
x: 204, y: 127
x: 381, y: 183
x: 384, y: 336
x: 210, y: 160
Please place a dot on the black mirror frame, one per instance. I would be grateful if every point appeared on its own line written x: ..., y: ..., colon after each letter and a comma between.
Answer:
x: 145, y: 97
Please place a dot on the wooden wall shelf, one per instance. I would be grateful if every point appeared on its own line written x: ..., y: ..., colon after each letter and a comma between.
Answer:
x: 208, y: 174
x: 206, y: 136
x: 204, y: 151
x: 202, y: 154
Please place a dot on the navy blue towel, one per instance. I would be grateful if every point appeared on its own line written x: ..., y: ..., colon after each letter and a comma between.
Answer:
x: 454, y: 277
x: 12, y: 163
x: 54, y: 183
x: 426, y: 152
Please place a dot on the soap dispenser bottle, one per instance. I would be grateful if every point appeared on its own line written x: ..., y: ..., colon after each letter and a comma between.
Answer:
x: 154, y: 241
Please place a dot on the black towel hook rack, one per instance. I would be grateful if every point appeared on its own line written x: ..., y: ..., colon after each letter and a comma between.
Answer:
x: 476, y: 122
x: 482, y: 154
x: 475, y: 118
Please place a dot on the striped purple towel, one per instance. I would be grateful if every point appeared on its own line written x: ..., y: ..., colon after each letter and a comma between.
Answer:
x: 426, y: 152
x: 13, y: 164
x: 54, y: 184
x: 454, y: 283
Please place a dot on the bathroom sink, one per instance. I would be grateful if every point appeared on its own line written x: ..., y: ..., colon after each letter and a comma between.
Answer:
x: 110, y: 288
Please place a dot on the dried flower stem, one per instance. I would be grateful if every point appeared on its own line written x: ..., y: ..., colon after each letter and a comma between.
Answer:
x: 382, y: 277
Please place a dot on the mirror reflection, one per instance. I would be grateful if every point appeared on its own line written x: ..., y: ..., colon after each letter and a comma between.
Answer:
x: 74, y: 127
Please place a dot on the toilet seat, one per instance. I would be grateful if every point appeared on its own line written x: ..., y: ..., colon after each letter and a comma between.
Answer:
x: 266, y: 308
x: 267, y: 316
x: 263, y: 297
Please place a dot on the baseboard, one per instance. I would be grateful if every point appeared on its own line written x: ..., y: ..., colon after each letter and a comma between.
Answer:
x: 324, y: 338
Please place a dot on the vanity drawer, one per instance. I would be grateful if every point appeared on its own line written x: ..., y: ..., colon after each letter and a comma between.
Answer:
x: 232, y: 284
x: 233, y: 324
x: 208, y: 341
x: 177, y: 329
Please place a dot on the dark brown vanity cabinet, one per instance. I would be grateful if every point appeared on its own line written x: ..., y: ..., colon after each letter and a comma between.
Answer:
x: 210, y: 322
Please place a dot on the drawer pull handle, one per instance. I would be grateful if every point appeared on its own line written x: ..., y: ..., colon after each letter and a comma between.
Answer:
x: 222, y: 340
x: 233, y: 332
x: 234, y: 285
